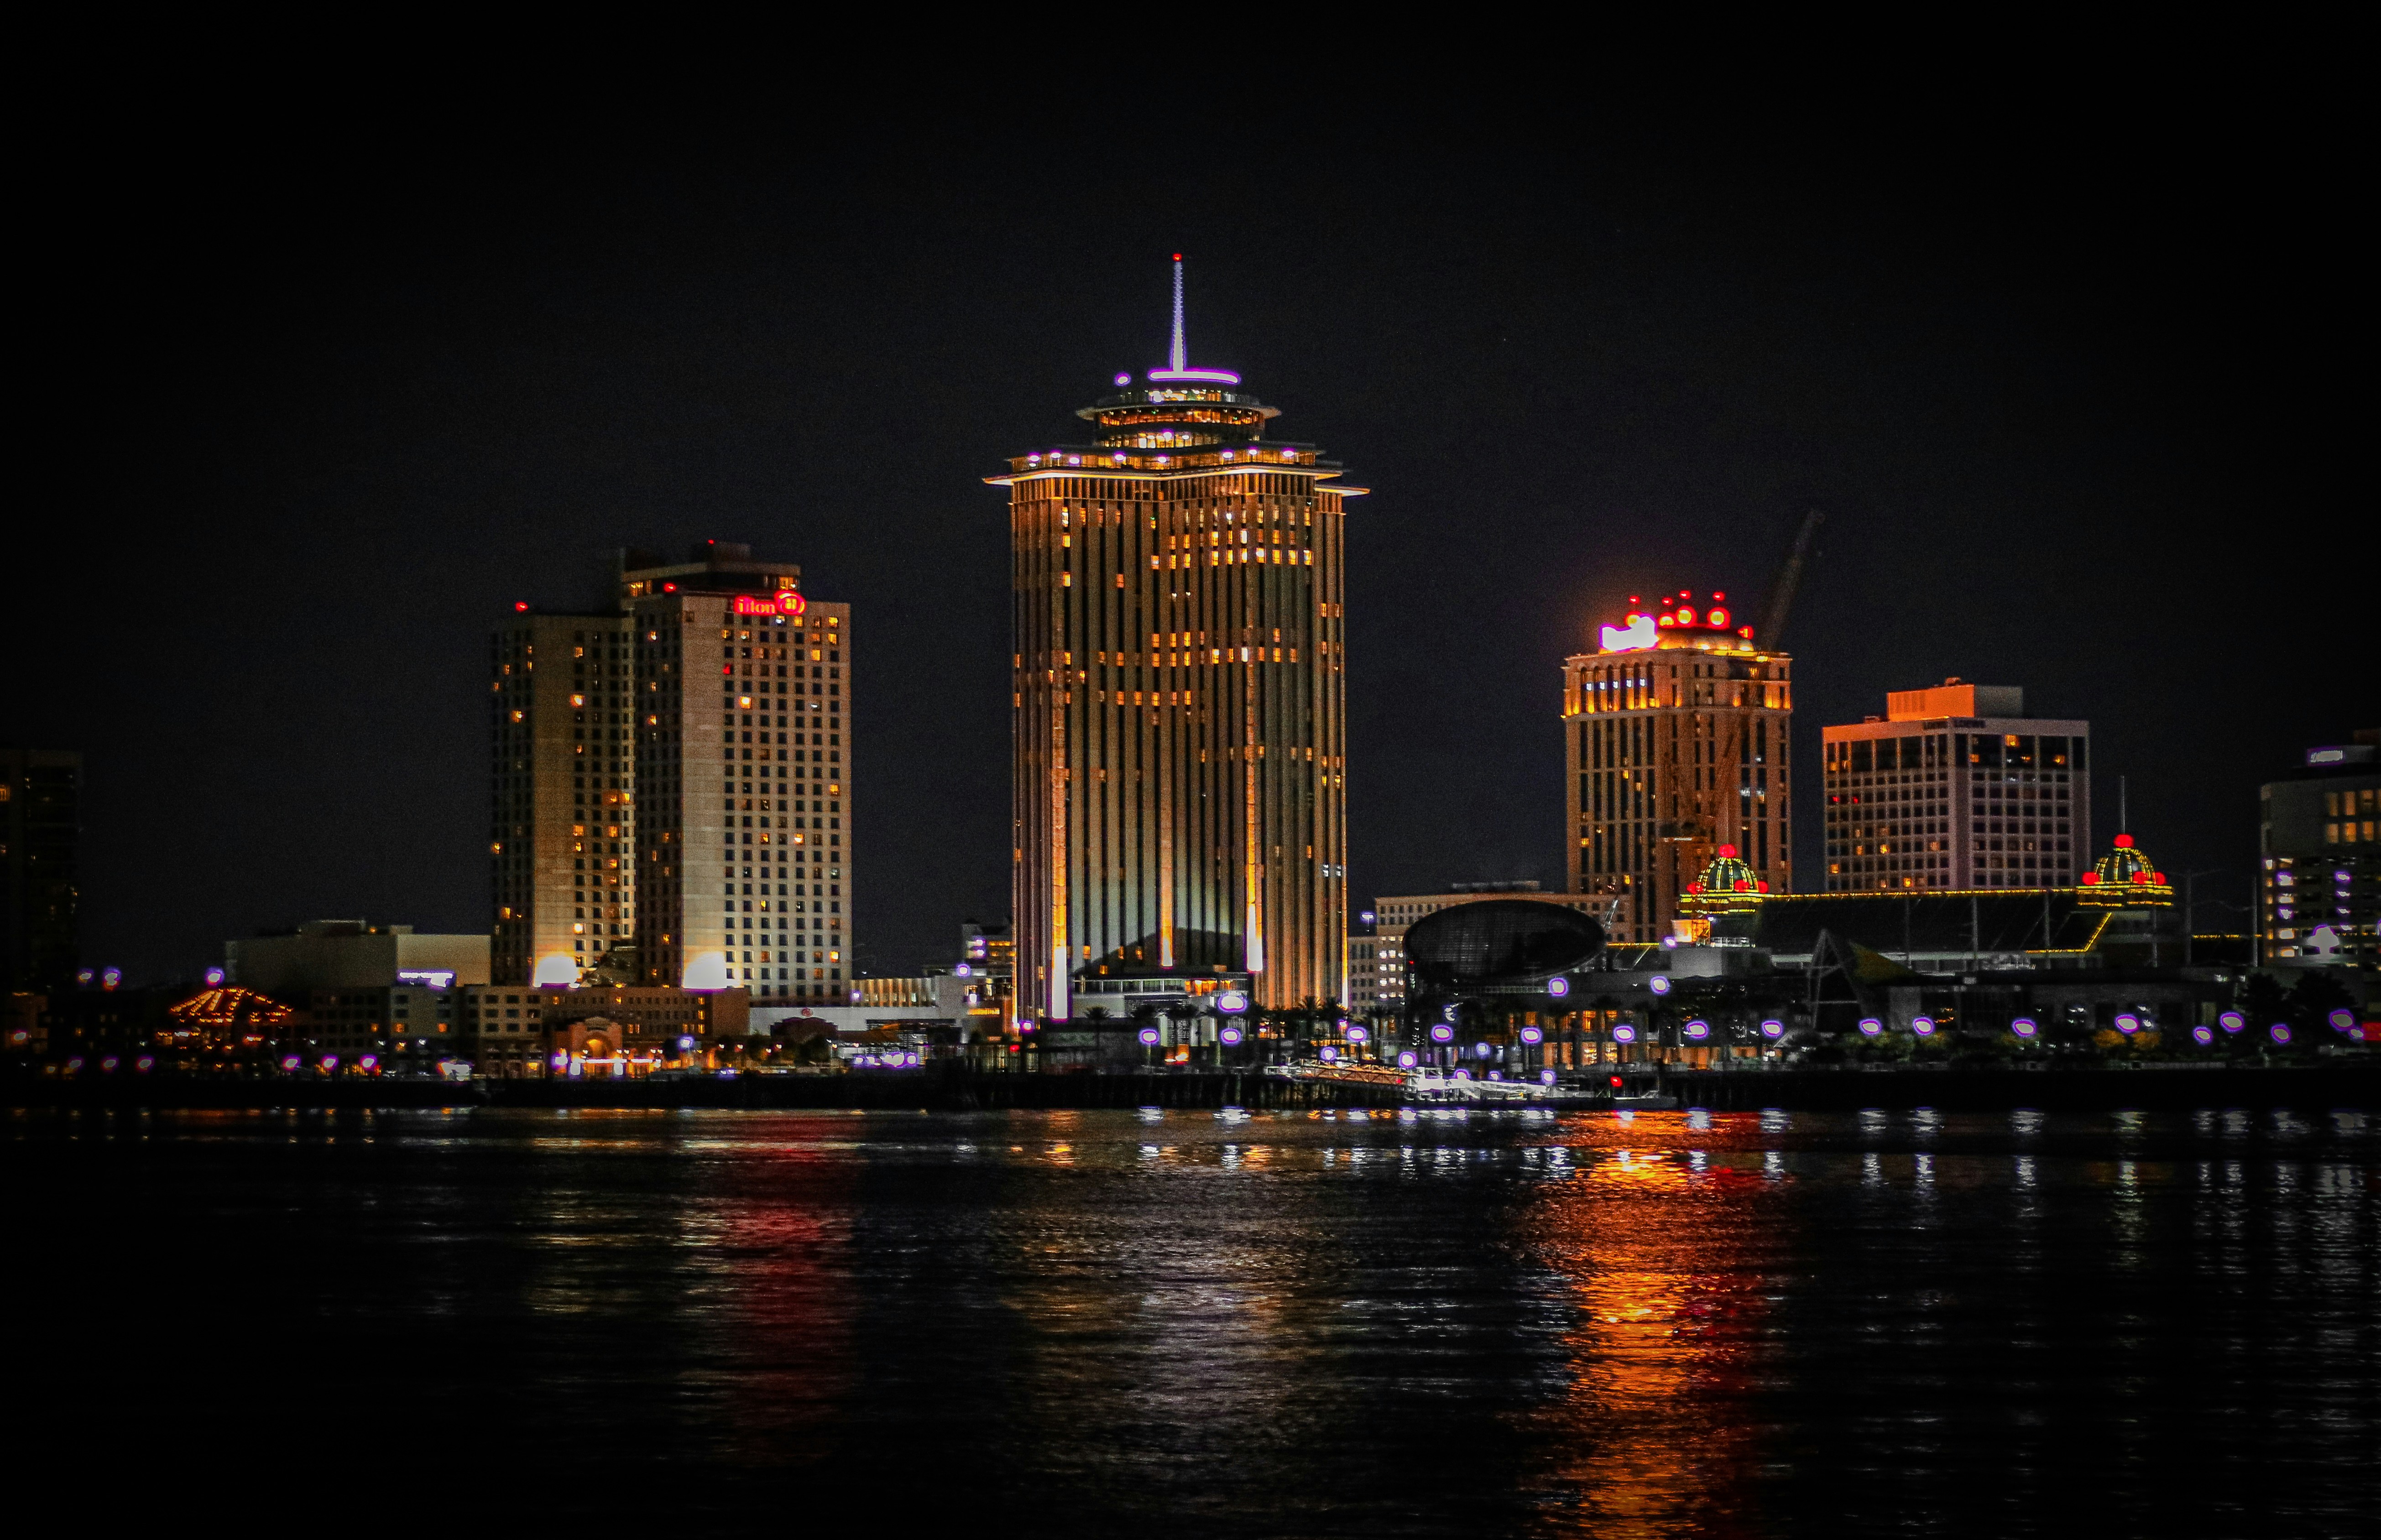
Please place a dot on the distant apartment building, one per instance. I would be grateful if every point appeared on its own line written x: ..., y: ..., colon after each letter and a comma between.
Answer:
x: 41, y: 798
x: 1675, y: 743
x: 2319, y: 842
x: 1956, y: 787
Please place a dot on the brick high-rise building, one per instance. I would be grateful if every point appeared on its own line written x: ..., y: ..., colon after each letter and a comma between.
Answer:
x: 1180, y: 769
x: 1675, y: 743
x: 744, y: 755
x: 1956, y: 787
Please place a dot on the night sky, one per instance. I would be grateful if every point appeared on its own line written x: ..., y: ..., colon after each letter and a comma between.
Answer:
x: 314, y: 405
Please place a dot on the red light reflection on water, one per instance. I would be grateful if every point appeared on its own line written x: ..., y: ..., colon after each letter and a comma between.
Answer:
x: 1654, y: 1436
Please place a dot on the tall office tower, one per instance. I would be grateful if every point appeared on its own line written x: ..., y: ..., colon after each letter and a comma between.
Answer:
x: 564, y: 788
x: 1179, y: 709
x: 1957, y: 787
x: 2319, y: 842
x: 1675, y: 744
x: 744, y: 745
x: 41, y: 824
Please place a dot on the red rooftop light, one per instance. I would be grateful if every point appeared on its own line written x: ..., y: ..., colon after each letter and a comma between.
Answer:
x: 520, y: 607
x: 2124, y: 841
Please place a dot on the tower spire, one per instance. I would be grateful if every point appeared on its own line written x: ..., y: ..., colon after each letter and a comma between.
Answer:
x: 1178, y: 358
x: 1177, y: 367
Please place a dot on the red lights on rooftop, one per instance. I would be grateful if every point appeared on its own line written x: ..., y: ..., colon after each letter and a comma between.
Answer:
x: 2124, y: 841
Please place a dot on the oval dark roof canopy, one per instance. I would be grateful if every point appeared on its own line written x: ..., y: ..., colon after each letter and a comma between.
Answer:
x: 1499, y: 940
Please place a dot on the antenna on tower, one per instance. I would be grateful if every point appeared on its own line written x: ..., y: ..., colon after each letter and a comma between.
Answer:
x: 1178, y: 358
x: 2124, y: 822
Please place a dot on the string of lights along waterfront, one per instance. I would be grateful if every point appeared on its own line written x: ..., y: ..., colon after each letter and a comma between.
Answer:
x: 1179, y: 701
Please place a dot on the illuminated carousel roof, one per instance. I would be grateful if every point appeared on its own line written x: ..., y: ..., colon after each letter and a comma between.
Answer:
x: 2125, y: 879
x: 230, y: 1006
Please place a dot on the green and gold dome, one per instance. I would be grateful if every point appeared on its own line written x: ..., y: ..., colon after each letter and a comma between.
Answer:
x: 2125, y: 879
x: 1728, y: 886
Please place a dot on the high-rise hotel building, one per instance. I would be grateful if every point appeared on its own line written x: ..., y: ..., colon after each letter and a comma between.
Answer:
x: 1675, y: 744
x: 1956, y: 787
x: 672, y: 804
x: 744, y: 750
x: 1179, y: 706
x: 563, y: 787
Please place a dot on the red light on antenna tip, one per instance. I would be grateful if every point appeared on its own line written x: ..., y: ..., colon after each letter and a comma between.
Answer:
x: 520, y: 608
x: 1178, y: 256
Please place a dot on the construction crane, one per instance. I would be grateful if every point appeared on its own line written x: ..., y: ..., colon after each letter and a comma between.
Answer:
x: 1790, y: 576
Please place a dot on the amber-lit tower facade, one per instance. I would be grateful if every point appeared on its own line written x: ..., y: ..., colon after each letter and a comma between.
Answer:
x: 1676, y: 734
x: 1180, y: 702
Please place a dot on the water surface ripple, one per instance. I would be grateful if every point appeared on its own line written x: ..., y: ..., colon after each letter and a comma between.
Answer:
x: 1245, y: 1324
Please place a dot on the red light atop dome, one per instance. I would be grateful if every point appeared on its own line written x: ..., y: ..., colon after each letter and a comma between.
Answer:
x: 2124, y: 841
x: 1727, y: 853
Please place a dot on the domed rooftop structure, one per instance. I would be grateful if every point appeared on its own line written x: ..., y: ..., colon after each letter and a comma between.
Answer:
x: 2125, y: 879
x: 1728, y: 886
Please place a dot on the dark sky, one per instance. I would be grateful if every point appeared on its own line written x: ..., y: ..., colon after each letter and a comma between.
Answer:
x: 316, y: 402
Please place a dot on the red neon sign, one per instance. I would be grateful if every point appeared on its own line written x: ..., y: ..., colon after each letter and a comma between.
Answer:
x: 784, y: 602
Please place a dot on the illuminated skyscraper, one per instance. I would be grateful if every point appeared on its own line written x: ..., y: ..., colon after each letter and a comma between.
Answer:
x: 1179, y: 712
x: 1956, y: 787
x: 670, y: 784
x: 1675, y: 740
x: 563, y: 793
x: 744, y: 743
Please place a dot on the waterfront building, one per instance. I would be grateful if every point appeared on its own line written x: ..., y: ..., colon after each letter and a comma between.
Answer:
x: 353, y: 954
x: 563, y: 790
x: 1393, y: 916
x: 1365, y: 964
x: 2319, y: 844
x: 1676, y: 742
x: 744, y: 751
x: 1956, y: 787
x: 1178, y: 702
x: 40, y: 834
x: 513, y: 1033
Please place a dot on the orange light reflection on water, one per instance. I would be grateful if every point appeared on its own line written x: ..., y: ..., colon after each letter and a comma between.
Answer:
x: 1654, y: 1435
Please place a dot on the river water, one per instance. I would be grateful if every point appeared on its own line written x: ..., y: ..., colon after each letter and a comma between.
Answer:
x: 1187, y: 1323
